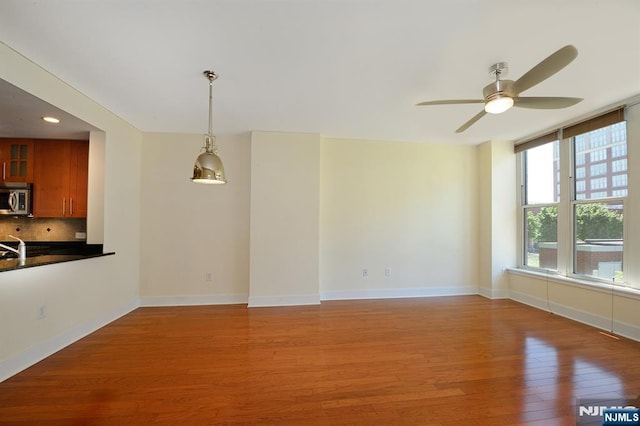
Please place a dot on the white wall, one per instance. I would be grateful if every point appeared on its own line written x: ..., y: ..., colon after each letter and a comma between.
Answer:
x: 189, y: 230
x: 284, y: 218
x: 408, y: 207
x: 83, y: 295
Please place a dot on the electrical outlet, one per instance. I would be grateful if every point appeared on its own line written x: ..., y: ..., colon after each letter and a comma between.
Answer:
x: 365, y: 273
x: 42, y: 311
x: 81, y: 235
x: 387, y: 272
x: 209, y: 276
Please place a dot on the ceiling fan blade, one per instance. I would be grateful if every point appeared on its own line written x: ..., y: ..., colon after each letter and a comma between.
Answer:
x: 545, y: 69
x: 469, y: 123
x: 545, y: 102
x: 452, y: 102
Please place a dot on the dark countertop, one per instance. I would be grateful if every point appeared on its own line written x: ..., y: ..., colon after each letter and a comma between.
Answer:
x: 48, y: 252
x: 11, y: 264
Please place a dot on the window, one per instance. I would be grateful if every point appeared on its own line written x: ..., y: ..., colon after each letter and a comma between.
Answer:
x: 588, y: 240
x: 619, y: 180
x: 619, y: 150
x: 541, y: 196
x: 598, y: 155
x: 596, y: 169
x: 598, y: 243
x: 598, y: 183
x: 597, y: 220
x: 618, y: 165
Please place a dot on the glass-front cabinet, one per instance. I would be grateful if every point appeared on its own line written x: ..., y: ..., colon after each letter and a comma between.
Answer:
x: 16, y: 160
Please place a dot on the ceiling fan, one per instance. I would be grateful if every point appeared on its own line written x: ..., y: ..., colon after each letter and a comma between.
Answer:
x: 501, y: 95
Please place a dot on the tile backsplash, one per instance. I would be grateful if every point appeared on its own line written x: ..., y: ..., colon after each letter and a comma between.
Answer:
x: 42, y: 229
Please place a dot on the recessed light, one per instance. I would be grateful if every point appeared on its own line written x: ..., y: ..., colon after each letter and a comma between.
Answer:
x: 51, y: 119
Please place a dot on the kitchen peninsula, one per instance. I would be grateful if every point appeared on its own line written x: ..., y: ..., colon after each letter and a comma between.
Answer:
x: 47, y: 253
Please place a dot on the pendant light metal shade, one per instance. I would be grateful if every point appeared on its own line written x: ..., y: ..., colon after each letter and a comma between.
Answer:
x: 208, y: 167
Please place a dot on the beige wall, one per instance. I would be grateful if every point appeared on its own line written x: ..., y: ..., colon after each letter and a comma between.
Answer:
x: 79, y: 296
x: 485, y: 214
x: 302, y: 216
x: 408, y: 207
x: 189, y: 231
x: 284, y: 218
x: 497, y: 215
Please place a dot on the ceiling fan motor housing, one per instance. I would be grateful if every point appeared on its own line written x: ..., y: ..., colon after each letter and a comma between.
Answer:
x: 498, y: 88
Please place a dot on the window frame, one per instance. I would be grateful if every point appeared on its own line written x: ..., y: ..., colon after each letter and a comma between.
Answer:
x: 567, y: 226
x: 524, y: 207
x: 574, y: 201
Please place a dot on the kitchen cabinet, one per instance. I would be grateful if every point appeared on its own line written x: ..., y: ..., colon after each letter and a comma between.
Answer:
x: 16, y: 160
x: 60, y: 179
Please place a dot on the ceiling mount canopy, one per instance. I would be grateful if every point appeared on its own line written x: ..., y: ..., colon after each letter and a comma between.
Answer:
x: 208, y: 167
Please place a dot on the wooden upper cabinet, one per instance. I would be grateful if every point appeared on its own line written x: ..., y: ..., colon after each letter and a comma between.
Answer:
x: 16, y: 160
x: 60, y: 178
x: 79, y: 179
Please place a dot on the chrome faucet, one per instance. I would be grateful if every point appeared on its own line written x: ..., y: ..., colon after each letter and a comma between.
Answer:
x: 21, y: 251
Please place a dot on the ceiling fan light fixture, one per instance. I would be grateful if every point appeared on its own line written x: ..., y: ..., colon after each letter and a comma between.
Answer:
x: 498, y: 104
x: 208, y: 168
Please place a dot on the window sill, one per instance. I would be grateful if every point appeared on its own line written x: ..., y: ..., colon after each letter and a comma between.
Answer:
x: 614, y: 289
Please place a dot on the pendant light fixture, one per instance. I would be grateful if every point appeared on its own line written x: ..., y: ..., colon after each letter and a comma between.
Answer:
x: 208, y: 166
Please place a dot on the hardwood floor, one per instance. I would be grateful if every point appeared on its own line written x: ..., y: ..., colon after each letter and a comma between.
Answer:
x: 430, y: 361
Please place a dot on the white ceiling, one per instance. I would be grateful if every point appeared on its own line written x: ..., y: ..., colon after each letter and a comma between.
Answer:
x: 342, y: 68
x: 21, y: 116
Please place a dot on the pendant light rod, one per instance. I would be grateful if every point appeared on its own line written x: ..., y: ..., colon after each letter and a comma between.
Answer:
x: 211, y: 75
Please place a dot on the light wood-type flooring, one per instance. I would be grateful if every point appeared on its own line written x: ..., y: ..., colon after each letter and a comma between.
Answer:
x: 430, y: 361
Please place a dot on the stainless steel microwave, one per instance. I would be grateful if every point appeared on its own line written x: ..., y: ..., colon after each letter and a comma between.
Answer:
x: 15, y: 198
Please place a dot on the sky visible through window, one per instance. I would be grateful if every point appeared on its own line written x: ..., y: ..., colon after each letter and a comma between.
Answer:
x: 540, y: 175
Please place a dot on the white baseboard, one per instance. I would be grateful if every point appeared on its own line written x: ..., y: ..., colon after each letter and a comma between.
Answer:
x: 603, y: 323
x: 493, y: 294
x: 620, y: 328
x: 395, y: 293
x: 527, y: 299
x: 290, y: 300
x: 629, y: 331
x: 225, y: 299
x: 14, y: 365
x: 579, y: 315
